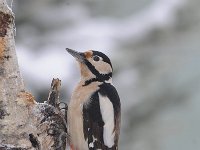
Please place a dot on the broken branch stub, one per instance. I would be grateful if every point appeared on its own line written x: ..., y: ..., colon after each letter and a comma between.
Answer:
x: 54, y: 93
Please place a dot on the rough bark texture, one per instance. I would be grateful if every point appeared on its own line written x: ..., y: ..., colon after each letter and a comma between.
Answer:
x: 25, y: 124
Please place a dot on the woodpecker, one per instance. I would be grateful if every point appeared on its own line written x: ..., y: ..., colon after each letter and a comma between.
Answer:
x: 94, y: 110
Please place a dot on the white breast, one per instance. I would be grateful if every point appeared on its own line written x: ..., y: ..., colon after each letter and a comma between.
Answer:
x: 107, y: 113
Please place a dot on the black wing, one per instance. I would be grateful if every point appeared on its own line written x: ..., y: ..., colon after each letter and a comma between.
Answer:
x: 93, y: 123
x: 92, y: 119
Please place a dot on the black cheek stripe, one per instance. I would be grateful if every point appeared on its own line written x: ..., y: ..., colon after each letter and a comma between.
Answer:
x: 99, y: 77
x: 92, y: 68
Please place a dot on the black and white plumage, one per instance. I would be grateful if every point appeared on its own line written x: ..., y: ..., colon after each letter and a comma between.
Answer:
x: 94, y: 110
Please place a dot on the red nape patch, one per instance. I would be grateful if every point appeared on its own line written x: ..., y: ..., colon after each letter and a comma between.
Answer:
x: 88, y: 54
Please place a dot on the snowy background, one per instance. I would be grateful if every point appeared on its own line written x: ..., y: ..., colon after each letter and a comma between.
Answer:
x: 154, y: 46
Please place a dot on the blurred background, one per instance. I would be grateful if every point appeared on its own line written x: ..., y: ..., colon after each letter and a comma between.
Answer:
x: 154, y: 47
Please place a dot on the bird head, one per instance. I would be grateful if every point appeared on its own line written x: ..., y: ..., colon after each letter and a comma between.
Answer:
x: 93, y: 65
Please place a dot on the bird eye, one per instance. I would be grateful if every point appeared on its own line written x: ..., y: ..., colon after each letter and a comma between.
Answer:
x: 96, y: 58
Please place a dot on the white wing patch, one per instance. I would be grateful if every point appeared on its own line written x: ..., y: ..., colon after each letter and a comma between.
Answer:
x: 91, y: 145
x: 107, y: 112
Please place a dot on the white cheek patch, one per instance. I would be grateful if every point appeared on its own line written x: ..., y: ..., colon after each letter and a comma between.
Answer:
x: 107, y: 112
x: 101, y: 66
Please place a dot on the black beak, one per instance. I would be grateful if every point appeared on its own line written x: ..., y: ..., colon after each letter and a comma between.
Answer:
x: 79, y: 56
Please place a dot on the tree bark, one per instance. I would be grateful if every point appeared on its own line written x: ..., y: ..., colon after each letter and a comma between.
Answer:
x: 24, y: 123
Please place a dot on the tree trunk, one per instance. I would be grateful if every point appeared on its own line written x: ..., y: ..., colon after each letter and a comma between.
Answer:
x: 25, y: 124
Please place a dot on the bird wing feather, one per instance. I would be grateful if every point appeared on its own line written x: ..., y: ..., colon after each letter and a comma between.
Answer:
x: 94, y: 122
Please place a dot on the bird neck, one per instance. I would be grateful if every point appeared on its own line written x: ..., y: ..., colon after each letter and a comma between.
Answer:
x: 100, y: 78
x: 89, y: 74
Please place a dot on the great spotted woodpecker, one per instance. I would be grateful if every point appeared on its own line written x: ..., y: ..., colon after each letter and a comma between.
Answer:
x: 94, y: 111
